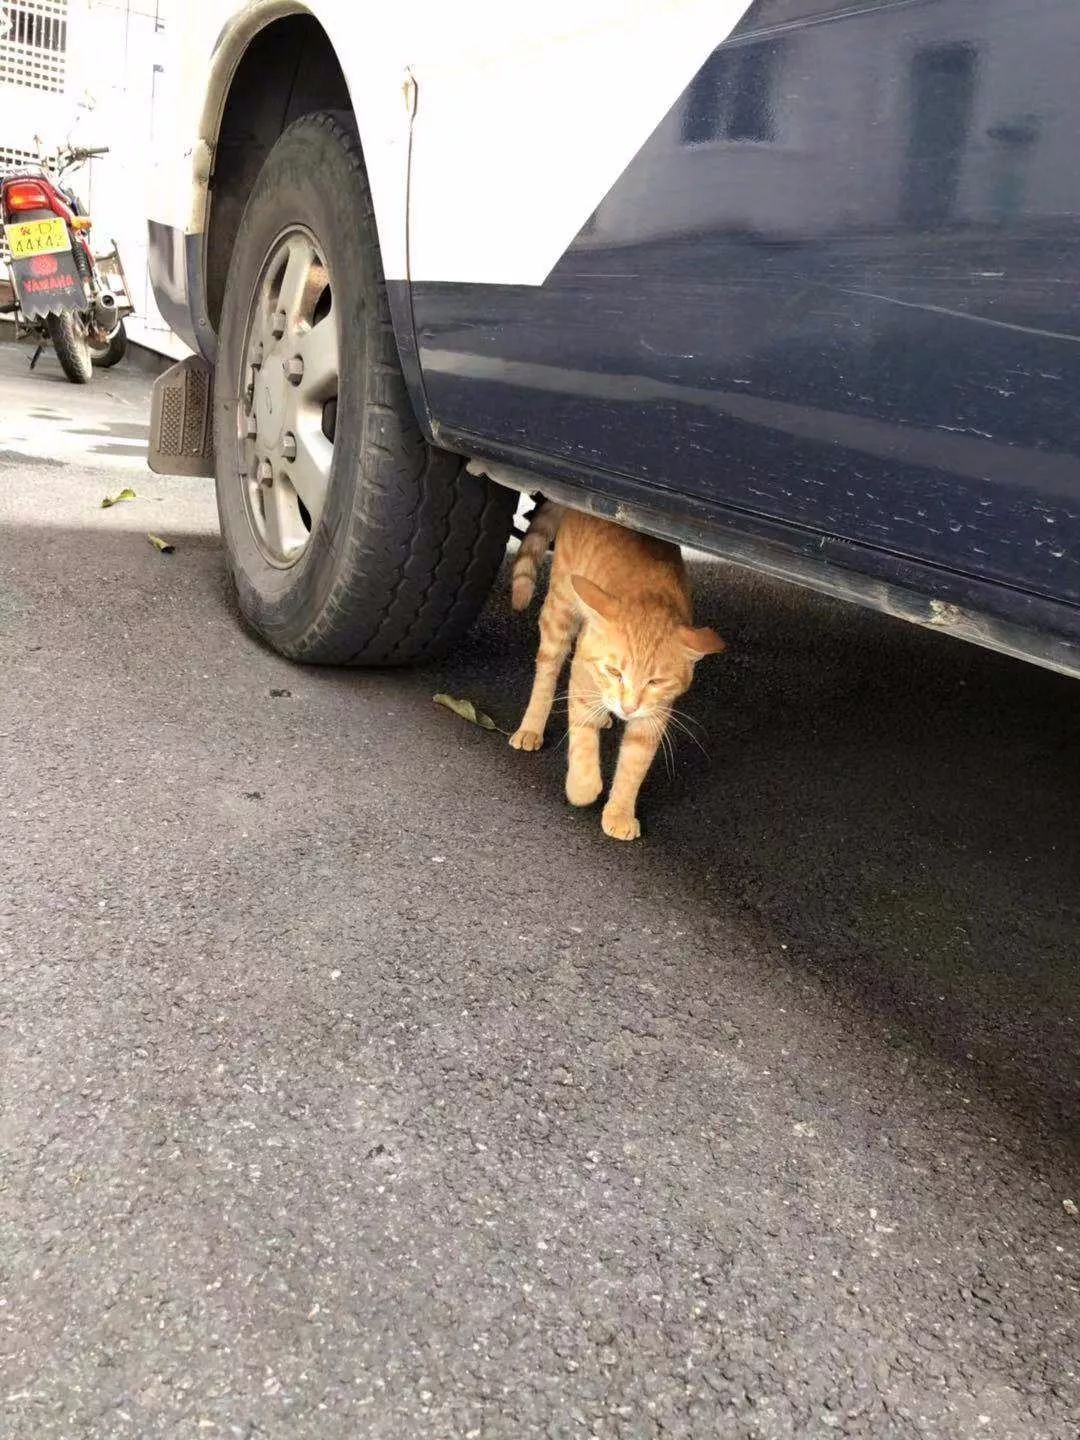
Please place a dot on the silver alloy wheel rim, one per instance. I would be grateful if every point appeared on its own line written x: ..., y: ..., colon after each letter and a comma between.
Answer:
x: 288, y: 397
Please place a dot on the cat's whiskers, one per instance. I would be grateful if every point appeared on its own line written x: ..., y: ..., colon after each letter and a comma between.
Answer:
x: 593, y: 698
x: 686, y: 716
x: 598, y: 713
x: 655, y: 721
x: 669, y: 754
x: 682, y: 728
x: 594, y: 716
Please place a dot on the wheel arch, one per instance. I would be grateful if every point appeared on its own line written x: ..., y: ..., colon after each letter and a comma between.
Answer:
x: 274, y: 61
x: 272, y: 64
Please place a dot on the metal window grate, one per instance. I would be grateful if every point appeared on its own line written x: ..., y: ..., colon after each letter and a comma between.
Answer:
x: 13, y: 159
x: 33, y: 44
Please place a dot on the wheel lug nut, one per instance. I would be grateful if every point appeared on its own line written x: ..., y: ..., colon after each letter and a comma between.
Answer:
x: 265, y: 473
x: 294, y: 370
x: 288, y: 446
x: 278, y: 325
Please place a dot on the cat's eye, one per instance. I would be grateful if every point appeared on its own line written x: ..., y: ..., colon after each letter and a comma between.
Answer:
x: 657, y: 680
x: 615, y: 674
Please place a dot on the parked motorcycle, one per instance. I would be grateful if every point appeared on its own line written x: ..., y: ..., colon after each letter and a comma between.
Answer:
x: 61, y: 291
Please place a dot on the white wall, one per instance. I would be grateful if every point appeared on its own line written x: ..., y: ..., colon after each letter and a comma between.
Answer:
x: 117, y: 54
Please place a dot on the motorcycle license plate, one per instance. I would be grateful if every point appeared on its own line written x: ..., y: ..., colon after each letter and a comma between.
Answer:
x: 37, y: 237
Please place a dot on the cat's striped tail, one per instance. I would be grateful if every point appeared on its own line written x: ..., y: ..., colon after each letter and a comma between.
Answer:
x: 545, y: 522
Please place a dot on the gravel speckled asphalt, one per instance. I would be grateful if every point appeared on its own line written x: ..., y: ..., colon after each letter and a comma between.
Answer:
x: 352, y: 1086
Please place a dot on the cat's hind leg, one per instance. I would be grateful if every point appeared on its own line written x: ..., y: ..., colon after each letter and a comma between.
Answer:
x: 558, y: 626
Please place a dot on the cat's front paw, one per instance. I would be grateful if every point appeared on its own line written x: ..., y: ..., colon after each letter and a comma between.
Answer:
x: 526, y: 740
x: 583, y: 789
x: 620, y: 824
x: 607, y: 722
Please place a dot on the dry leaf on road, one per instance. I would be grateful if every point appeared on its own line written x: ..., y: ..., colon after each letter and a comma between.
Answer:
x: 467, y: 710
x: 110, y: 500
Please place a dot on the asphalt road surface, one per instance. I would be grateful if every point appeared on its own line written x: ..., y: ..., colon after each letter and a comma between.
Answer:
x: 353, y: 1086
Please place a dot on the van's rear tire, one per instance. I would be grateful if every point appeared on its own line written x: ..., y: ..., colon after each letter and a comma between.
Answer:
x: 361, y: 544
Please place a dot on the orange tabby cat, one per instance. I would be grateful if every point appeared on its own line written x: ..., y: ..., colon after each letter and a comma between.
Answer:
x: 628, y: 596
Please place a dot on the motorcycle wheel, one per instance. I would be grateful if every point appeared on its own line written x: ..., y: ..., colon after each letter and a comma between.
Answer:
x: 111, y: 351
x: 351, y: 540
x: 68, y: 335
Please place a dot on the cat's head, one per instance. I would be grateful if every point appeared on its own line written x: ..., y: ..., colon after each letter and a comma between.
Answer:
x: 640, y: 656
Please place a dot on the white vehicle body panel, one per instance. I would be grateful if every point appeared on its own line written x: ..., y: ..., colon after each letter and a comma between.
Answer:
x: 525, y: 116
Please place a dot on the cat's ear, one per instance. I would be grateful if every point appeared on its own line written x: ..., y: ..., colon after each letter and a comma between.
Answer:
x: 701, y: 642
x: 595, y: 601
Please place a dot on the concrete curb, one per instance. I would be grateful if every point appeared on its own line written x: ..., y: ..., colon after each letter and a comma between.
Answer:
x: 150, y: 362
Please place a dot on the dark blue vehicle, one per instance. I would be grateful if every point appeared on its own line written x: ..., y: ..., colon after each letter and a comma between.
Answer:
x: 822, y: 318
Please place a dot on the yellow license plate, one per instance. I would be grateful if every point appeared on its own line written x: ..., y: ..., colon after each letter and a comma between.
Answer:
x: 37, y: 237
